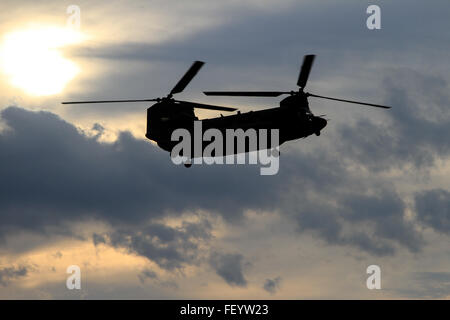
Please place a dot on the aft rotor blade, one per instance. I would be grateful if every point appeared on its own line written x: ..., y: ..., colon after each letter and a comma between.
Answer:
x: 108, y: 101
x: 188, y: 76
x: 204, y: 106
x: 245, y: 93
x: 305, y: 70
x: 350, y: 101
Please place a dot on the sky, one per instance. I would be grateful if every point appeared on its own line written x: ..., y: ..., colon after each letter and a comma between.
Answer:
x: 81, y: 185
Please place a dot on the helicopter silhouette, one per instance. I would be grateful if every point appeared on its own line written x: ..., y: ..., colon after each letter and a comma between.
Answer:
x: 293, y: 118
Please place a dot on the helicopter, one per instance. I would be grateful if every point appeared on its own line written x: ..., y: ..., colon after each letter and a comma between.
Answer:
x: 293, y: 118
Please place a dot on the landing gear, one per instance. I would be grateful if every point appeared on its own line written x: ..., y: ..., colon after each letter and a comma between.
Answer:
x: 188, y: 165
x: 317, y: 133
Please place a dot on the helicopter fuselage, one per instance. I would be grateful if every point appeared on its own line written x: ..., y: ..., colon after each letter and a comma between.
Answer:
x: 292, y: 118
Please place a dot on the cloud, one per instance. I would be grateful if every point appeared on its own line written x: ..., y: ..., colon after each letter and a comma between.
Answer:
x: 433, y: 209
x: 55, y: 175
x: 8, y: 274
x: 337, y: 187
x: 272, y: 285
x: 98, y: 239
x: 229, y: 266
x: 330, y: 27
x: 415, y: 130
x: 147, y: 274
x: 365, y: 215
x: 170, y: 247
x: 431, y: 285
x: 52, y: 173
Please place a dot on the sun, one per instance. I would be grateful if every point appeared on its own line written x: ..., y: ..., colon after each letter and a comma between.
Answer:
x: 33, y: 62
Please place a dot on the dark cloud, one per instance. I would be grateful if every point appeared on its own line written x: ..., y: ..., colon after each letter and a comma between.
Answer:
x: 412, y: 136
x: 54, y: 174
x: 377, y: 221
x: 386, y: 212
x: 327, y: 27
x: 98, y: 239
x: 433, y: 209
x: 320, y: 191
x: 230, y: 267
x: 430, y: 285
x: 147, y: 274
x: 415, y: 131
x: 272, y: 285
x: 8, y: 274
x: 170, y: 247
x: 239, y: 55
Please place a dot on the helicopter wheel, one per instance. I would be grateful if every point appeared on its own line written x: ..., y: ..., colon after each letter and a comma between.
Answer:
x: 188, y: 165
x: 317, y: 133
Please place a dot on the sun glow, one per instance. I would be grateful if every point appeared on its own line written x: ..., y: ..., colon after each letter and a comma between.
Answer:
x: 32, y: 60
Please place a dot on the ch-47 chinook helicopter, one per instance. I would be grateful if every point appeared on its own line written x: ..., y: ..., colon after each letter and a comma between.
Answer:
x: 292, y: 118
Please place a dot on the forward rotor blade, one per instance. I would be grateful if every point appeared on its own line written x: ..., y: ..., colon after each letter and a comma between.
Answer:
x: 245, y: 93
x: 108, y: 101
x: 204, y: 106
x: 188, y: 76
x: 349, y: 101
x: 305, y: 70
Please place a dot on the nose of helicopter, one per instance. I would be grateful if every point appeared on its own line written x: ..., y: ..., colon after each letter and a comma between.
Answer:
x: 321, y: 123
